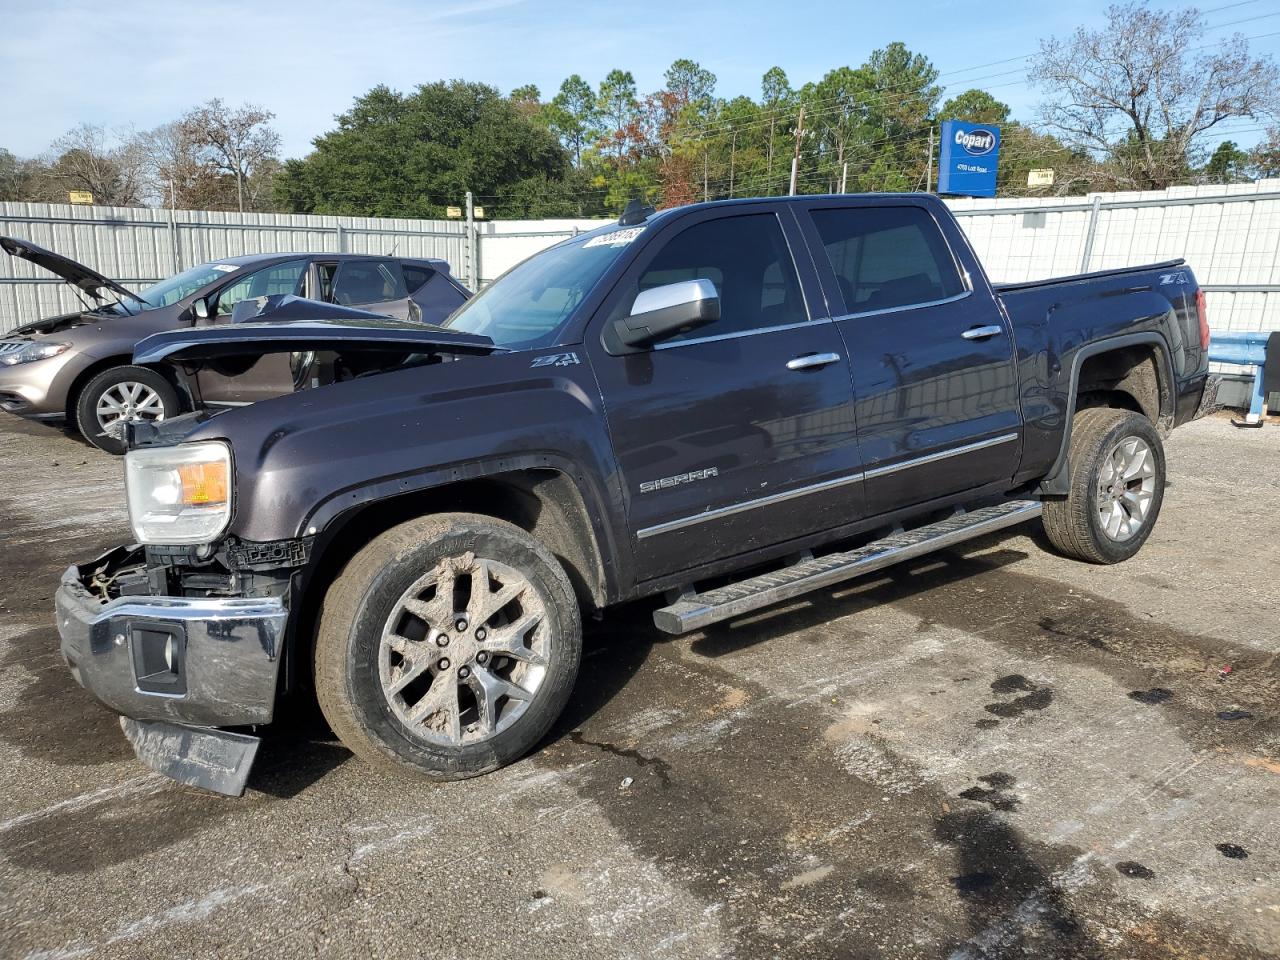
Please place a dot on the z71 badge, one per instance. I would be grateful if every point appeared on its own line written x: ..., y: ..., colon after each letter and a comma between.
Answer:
x: 556, y: 360
x: 649, y: 486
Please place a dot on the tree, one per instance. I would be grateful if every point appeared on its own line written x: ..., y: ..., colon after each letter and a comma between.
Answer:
x: 573, y: 115
x: 619, y: 109
x: 238, y: 142
x: 1228, y: 164
x: 110, y: 165
x: 178, y: 175
x: 1139, y: 98
x: 527, y: 100
x: 975, y: 106
x: 410, y: 155
x: 1265, y: 157
x: 21, y: 179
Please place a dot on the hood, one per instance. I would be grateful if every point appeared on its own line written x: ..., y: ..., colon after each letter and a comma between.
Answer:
x: 281, y: 307
x: 343, y: 335
x: 77, y: 274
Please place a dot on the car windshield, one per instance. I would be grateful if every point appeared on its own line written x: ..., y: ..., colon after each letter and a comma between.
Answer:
x: 528, y: 306
x: 178, y: 287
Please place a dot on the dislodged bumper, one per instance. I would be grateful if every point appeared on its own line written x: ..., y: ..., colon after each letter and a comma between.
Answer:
x: 208, y: 662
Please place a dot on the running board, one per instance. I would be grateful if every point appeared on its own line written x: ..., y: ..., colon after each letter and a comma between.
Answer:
x: 697, y: 610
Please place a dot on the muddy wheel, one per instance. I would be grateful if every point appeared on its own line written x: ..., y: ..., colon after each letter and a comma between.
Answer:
x: 1117, y: 474
x: 447, y: 647
x: 117, y: 396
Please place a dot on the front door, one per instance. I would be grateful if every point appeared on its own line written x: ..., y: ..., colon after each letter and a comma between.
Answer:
x: 237, y: 380
x: 740, y: 434
x: 932, y: 359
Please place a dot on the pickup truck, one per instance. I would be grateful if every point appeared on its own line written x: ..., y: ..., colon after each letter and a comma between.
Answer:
x: 719, y: 406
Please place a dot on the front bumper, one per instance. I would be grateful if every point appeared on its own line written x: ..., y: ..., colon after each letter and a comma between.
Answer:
x: 39, y: 389
x: 208, y: 662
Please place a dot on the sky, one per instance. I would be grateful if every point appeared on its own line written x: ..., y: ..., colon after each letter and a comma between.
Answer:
x: 137, y: 64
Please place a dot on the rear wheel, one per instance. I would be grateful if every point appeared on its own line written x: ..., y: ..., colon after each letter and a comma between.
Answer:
x: 118, y: 395
x: 447, y: 647
x: 1117, y: 476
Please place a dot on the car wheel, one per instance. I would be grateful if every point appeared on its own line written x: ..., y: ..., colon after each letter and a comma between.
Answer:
x: 119, y: 395
x: 447, y: 647
x: 1117, y: 477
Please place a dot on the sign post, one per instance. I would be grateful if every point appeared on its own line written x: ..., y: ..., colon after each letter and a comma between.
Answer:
x: 968, y: 160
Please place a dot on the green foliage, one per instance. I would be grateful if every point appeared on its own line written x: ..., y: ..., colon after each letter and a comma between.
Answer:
x: 411, y: 155
x: 1228, y: 164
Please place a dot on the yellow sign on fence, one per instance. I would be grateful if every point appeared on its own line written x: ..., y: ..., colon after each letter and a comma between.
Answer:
x: 453, y: 211
x: 80, y: 196
x: 1039, y: 178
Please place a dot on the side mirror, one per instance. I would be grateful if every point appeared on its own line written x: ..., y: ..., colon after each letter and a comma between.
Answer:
x: 200, y: 308
x: 663, y: 312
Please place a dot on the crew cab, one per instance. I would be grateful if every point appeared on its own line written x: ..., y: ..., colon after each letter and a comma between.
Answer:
x: 719, y: 406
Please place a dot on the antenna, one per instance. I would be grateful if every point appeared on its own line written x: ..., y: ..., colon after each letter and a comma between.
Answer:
x: 636, y: 212
x: 394, y: 247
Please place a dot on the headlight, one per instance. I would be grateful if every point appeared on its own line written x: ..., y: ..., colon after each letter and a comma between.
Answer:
x: 179, y: 494
x: 35, y: 350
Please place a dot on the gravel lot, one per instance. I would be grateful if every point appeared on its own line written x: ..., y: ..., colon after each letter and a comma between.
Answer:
x: 990, y: 753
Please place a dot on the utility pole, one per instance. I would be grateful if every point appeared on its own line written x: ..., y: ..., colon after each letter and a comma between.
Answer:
x: 768, y: 175
x: 706, y: 195
x: 844, y: 176
x: 733, y: 149
x: 795, y: 159
x: 929, y: 176
x: 473, y: 268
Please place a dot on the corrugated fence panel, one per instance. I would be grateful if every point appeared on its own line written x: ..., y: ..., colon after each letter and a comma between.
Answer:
x: 1229, y: 239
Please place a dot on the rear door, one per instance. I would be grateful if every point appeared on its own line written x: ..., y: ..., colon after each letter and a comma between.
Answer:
x: 931, y: 357
x: 740, y: 434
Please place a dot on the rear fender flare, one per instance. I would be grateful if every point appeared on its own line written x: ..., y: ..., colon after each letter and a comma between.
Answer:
x: 1055, y: 482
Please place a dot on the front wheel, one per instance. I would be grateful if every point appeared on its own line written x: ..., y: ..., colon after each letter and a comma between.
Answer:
x: 447, y: 647
x: 1117, y: 477
x: 118, y: 395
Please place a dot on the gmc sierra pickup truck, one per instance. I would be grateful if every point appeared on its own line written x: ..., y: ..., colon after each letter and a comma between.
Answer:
x: 720, y: 406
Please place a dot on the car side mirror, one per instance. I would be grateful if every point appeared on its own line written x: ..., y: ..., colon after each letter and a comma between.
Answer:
x: 200, y: 308
x: 663, y: 312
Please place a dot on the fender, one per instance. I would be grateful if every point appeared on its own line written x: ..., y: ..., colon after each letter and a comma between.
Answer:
x: 1056, y: 481
x: 328, y: 513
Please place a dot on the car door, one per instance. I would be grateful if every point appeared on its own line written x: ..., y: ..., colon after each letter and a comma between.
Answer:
x: 931, y: 357
x: 376, y: 285
x: 247, y: 381
x: 739, y: 434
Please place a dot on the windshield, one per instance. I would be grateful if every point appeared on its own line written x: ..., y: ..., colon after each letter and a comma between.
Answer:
x: 529, y: 305
x: 178, y: 287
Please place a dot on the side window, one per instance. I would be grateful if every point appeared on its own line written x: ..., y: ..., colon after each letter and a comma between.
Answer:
x: 281, y: 278
x: 886, y: 257
x: 415, y: 276
x: 368, y: 281
x: 747, y: 259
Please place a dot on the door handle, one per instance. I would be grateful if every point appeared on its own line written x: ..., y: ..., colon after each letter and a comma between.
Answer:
x: 810, y: 361
x: 981, y: 333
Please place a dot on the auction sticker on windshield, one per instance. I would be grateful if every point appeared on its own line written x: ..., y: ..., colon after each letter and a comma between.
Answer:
x: 225, y: 267
x: 618, y: 238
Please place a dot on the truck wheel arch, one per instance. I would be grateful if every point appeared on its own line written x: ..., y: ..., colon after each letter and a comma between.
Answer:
x: 1138, y: 358
x: 545, y: 501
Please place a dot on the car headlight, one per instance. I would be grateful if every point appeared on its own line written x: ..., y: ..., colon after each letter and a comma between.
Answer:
x: 179, y: 494
x: 35, y: 350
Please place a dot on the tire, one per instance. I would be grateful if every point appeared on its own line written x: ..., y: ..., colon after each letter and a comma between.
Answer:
x: 154, y: 398
x: 370, y: 642
x: 1102, y: 440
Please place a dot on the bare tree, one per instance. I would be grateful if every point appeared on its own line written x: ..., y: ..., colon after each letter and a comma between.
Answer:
x: 237, y: 142
x: 1137, y: 97
x: 178, y: 175
x: 110, y: 165
x: 1265, y: 157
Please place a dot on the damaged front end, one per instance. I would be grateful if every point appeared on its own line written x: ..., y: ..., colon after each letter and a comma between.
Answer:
x: 179, y: 651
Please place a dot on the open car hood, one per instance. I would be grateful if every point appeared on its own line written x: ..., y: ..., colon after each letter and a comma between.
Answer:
x: 76, y: 274
x: 344, y: 335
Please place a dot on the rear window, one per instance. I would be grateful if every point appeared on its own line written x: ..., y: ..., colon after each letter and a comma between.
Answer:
x: 887, y: 257
x: 415, y: 276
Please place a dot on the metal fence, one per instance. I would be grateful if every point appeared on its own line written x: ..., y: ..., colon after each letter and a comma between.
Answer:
x: 1229, y: 234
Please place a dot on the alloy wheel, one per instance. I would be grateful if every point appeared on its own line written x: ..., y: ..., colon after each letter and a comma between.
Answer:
x: 1126, y: 488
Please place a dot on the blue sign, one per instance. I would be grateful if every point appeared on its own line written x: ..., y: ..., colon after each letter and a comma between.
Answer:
x: 967, y: 165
